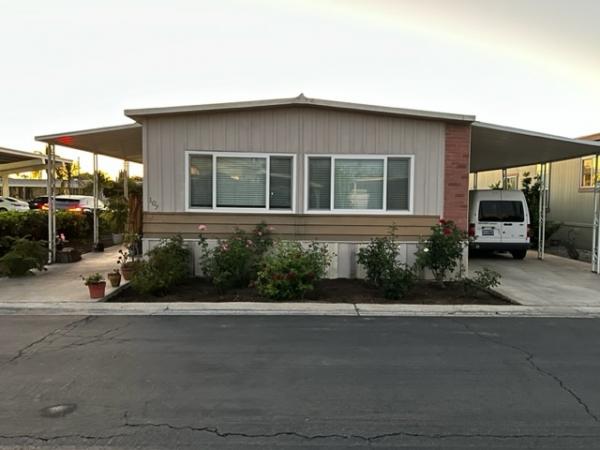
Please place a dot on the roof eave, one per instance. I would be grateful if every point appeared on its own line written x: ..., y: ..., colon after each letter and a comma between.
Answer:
x: 137, y: 114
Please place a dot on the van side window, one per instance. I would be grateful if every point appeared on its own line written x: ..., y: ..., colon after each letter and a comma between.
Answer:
x: 501, y: 211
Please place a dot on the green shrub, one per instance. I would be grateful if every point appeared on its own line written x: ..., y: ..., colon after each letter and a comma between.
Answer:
x: 23, y: 256
x: 398, y: 281
x: 74, y: 225
x: 380, y: 260
x: 290, y: 270
x: 34, y: 224
x: 166, y: 265
x: 442, y: 251
x: 117, y: 214
x: 484, y: 279
x: 234, y: 262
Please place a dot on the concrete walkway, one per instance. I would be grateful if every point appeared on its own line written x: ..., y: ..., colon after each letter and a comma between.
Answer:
x: 61, y: 282
x: 555, y: 281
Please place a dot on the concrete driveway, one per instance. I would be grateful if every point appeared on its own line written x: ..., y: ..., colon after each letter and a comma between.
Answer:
x: 555, y: 281
x: 61, y: 282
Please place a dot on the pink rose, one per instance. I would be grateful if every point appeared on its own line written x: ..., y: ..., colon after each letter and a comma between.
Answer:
x: 202, y: 227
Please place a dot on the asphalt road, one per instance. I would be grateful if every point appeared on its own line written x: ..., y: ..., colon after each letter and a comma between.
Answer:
x: 297, y: 382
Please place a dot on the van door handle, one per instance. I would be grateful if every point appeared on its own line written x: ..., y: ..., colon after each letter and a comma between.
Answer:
x: 508, y: 224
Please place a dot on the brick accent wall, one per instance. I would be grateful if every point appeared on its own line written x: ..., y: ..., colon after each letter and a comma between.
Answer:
x: 456, y: 174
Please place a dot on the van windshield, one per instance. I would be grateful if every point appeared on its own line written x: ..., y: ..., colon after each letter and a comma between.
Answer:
x: 501, y: 211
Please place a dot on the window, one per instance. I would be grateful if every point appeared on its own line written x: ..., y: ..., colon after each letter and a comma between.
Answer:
x: 353, y: 184
x: 240, y: 181
x: 501, y: 211
x: 512, y: 182
x: 588, y: 172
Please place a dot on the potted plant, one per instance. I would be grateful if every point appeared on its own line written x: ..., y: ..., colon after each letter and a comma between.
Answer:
x: 117, y: 218
x: 95, y: 284
x: 128, y: 264
x: 115, y: 278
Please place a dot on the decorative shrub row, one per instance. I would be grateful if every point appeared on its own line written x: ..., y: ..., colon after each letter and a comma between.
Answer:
x: 34, y: 224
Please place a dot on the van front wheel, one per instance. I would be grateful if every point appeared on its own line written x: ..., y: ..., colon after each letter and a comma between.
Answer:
x: 519, y: 254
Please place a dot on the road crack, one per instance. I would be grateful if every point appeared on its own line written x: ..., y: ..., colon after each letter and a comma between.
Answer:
x: 358, y: 437
x: 530, y: 358
x: 30, y: 348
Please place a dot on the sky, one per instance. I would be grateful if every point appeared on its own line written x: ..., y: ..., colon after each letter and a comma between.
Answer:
x: 72, y: 64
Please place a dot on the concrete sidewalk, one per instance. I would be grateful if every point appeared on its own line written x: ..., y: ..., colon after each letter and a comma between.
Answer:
x: 61, y: 282
x: 555, y: 281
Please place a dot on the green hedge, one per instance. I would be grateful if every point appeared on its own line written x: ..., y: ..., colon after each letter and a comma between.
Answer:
x: 34, y: 223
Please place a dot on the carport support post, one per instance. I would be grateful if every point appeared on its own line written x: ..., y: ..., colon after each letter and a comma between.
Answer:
x: 50, y: 191
x: 96, y: 237
x: 504, y: 178
x: 5, y: 186
x: 596, y: 220
x: 542, y: 212
x: 126, y: 179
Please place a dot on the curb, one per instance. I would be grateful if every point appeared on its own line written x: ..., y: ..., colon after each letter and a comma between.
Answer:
x: 293, y: 309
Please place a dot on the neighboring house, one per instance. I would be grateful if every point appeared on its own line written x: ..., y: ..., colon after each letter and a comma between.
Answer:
x: 27, y: 188
x: 570, y: 193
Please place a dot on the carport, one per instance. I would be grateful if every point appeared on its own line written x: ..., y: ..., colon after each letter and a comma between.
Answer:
x: 495, y: 147
x: 121, y: 141
x: 15, y: 161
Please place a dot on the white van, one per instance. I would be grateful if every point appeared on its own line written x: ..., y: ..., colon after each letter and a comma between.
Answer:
x: 499, y: 221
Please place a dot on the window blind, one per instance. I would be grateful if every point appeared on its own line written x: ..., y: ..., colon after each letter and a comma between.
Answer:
x: 358, y: 184
x: 319, y: 183
x: 241, y: 182
x: 280, y: 182
x: 201, y: 181
x: 398, y: 184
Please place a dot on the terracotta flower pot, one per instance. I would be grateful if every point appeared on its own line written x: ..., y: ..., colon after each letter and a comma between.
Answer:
x: 127, y: 272
x: 114, y: 278
x: 97, y: 289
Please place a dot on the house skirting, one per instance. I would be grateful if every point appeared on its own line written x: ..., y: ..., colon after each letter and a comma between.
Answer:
x: 343, y: 265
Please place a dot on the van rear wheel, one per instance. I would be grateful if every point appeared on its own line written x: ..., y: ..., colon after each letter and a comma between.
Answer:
x: 519, y: 254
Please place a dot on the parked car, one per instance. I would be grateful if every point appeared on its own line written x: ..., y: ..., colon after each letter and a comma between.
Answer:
x: 12, y: 204
x: 499, y: 221
x: 76, y: 203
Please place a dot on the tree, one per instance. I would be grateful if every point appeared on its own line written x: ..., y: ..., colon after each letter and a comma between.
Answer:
x: 531, y: 188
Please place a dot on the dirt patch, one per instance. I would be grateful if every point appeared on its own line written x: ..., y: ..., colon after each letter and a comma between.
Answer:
x: 328, y: 291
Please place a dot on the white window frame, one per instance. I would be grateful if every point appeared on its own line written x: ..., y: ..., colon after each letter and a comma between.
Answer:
x: 228, y: 209
x: 594, y: 172
x: 383, y: 211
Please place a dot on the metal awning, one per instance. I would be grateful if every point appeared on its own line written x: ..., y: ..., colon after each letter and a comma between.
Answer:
x: 15, y: 161
x: 121, y: 141
x: 496, y: 147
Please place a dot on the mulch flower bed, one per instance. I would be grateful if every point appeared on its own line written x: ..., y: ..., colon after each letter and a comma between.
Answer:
x: 328, y: 291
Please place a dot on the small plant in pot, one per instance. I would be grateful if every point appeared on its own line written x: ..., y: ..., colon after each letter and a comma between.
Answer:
x: 115, y: 278
x: 128, y: 264
x: 95, y: 284
x: 117, y: 217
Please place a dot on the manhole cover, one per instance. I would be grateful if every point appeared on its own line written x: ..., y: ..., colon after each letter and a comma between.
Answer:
x: 58, y: 410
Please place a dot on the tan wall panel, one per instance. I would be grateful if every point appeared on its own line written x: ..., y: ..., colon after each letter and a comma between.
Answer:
x: 295, y: 130
x: 290, y: 226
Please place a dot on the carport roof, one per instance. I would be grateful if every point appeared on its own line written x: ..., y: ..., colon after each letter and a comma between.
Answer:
x: 498, y: 147
x: 121, y: 141
x: 14, y: 161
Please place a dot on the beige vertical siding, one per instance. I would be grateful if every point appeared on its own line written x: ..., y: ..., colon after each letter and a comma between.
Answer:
x: 297, y: 130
